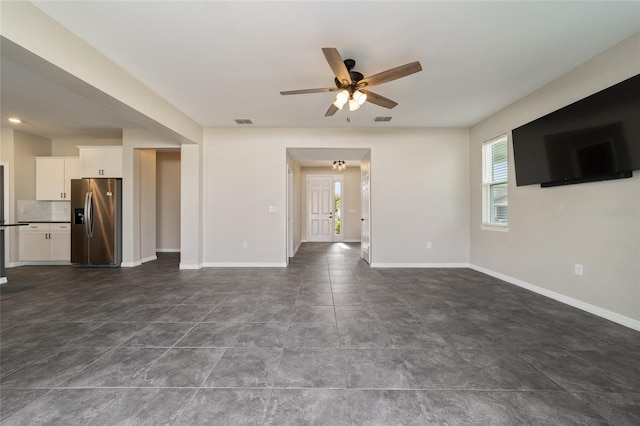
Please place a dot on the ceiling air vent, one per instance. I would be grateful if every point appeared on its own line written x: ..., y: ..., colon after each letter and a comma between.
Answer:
x: 243, y: 121
x: 382, y: 119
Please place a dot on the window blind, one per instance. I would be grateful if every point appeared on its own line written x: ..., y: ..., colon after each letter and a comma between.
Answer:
x: 495, y: 201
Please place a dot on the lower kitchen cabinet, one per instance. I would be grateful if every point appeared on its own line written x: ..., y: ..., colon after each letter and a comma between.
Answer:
x: 45, y: 242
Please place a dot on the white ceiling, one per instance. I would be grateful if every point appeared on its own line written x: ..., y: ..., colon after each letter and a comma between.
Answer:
x: 218, y: 61
x: 50, y: 109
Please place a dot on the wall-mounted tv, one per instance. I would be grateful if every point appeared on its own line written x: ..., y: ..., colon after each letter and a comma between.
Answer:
x: 596, y: 138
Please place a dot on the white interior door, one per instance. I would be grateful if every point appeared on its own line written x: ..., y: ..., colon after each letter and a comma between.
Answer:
x: 365, y: 205
x: 320, y: 225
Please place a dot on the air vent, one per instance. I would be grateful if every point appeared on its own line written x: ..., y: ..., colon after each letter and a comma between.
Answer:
x: 243, y: 121
x: 382, y: 119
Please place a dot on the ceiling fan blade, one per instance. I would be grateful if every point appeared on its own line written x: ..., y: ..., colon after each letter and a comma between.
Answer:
x: 374, y: 98
x: 337, y: 65
x: 304, y: 91
x: 390, y: 75
x: 332, y: 110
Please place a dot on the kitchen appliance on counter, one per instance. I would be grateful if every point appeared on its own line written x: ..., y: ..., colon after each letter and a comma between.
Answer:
x: 96, y: 222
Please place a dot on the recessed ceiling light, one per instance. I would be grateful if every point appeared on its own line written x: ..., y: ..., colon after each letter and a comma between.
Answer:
x: 15, y: 120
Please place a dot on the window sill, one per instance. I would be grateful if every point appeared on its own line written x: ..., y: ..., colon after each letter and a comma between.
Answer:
x: 498, y: 228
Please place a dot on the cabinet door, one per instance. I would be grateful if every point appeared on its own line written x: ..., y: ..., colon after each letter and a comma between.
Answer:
x: 50, y: 179
x: 72, y: 170
x: 60, y: 240
x: 91, y: 159
x: 34, y: 243
x: 112, y: 162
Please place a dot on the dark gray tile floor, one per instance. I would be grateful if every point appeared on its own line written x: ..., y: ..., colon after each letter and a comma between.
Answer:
x: 327, y: 340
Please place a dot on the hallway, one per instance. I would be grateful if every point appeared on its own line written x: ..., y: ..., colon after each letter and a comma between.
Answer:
x: 327, y: 340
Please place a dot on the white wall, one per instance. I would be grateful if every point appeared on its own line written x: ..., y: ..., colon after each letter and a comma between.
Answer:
x: 552, y: 229
x: 350, y: 226
x: 192, y: 206
x: 27, y: 148
x: 419, y: 192
x: 168, y: 200
x: 69, y: 147
x: 147, y: 205
x: 297, y: 204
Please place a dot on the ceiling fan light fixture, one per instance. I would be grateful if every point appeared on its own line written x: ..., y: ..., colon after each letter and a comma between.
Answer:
x: 342, y: 96
x: 353, y: 105
x: 359, y: 97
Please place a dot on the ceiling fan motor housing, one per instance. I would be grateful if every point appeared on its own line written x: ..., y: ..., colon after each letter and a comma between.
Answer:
x: 355, y: 75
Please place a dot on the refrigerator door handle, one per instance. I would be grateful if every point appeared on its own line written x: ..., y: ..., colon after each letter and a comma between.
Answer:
x: 87, y: 214
x: 91, y: 214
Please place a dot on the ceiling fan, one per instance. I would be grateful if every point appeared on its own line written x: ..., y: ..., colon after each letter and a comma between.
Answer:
x: 351, y: 85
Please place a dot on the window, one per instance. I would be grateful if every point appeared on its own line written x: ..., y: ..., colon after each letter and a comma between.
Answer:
x: 495, y: 201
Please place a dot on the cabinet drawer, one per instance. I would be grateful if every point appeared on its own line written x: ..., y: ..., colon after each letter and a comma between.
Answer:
x: 60, y: 227
x: 35, y: 227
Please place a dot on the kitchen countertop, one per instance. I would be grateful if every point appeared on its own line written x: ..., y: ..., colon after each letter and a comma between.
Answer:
x: 3, y: 225
x: 43, y: 221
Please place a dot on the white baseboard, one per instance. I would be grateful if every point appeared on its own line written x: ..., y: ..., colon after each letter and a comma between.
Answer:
x: 601, y: 312
x: 418, y: 265
x: 149, y: 259
x: 14, y: 264
x: 295, y: 250
x: 49, y: 263
x: 245, y: 264
x: 343, y: 241
x: 130, y: 264
x: 190, y: 265
x: 168, y: 250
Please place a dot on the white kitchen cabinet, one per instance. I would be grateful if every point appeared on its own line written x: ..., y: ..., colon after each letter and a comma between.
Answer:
x: 101, y: 162
x: 53, y: 177
x: 60, y: 240
x: 45, y: 242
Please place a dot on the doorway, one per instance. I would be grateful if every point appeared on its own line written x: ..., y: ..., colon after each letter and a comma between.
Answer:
x: 290, y: 214
x: 341, y: 219
x: 324, y: 214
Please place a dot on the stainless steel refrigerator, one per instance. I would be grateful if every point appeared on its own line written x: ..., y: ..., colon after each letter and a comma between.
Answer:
x: 96, y: 223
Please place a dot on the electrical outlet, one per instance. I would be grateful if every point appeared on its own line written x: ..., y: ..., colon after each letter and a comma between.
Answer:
x: 428, y: 244
x: 579, y: 269
x: 245, y: 244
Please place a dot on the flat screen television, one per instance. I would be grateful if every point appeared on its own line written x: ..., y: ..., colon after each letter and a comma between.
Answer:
x: 596, y: 138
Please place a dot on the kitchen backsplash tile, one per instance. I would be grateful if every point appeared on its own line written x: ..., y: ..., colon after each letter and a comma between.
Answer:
x: 43, y: 211
x: 60, y: 211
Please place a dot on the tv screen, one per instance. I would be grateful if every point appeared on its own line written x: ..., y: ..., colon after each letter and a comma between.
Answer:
x: 596, y: 138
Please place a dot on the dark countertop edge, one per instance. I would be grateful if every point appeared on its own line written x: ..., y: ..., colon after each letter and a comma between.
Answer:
x: 25, y: 222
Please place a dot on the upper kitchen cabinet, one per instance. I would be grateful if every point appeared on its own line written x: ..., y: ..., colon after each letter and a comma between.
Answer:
x: 53, y: 177
x: 101, y: 161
